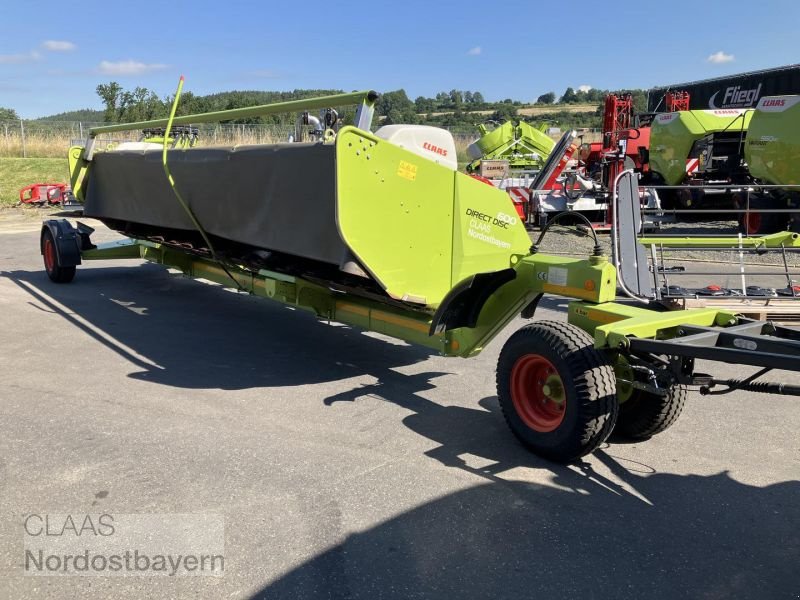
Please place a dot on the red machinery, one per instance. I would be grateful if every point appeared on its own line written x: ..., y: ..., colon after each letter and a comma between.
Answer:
x: 43, y: 193
x: 677, y: 101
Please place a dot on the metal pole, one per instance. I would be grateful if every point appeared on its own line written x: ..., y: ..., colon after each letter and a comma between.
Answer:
x: 22, y: 135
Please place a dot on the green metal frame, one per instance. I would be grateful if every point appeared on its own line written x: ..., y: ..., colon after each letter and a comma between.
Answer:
x: 80, y: 157
x: 783, y: 239
x: 612, y: 323
x: 593, y: 279
x: 447, y: 229
x: 514, y: 143
x: 366, y: 98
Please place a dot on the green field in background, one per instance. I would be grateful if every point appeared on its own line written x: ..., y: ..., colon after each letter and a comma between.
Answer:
x: 16, y: 173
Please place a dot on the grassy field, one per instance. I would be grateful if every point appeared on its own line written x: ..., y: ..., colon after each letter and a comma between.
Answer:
x: 16, y: 173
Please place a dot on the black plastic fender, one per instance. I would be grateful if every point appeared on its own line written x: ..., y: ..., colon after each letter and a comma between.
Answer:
x: 462, y: 305
x: 68, y: 241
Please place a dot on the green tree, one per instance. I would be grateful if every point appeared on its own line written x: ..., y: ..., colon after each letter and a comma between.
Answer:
x: 140, y: 105
x: 569, y: 96
x: 547, y: 98
x: 456, y: 98
x: 8, y: 114
x: 396, y: 107
x: 504, y: 112
x: 424, y: 105
x: 595, y: 95
x: 477, y: 98
x: 110, y: 95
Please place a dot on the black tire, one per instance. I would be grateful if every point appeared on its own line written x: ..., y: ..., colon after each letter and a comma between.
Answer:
x: 588, y: 394
x: 55, y: 271
x: 645, y: 414
x: 758, y: 222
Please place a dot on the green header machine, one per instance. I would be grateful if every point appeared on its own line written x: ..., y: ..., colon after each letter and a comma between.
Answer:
x: 368, y: 229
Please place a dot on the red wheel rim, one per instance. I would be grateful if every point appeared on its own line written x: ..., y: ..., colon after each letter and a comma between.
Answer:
x: 752, y: 222
x: 49, y: 255
x: 538, y: 393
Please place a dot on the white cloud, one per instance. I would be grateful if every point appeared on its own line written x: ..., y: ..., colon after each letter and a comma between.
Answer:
x: 584, y: 88
x: 58, y: 46
x: 720, y: 57
x: 127, y: 67
x: 474, y: 51
x: 18, y: 59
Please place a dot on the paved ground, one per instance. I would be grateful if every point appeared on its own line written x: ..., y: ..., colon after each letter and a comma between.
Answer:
x: 346, y: 466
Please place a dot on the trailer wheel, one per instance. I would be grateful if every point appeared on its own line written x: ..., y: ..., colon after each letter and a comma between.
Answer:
x: 557, y: 392
x: 55, y: 271
x: 644, y: 414
x: 756, y: 221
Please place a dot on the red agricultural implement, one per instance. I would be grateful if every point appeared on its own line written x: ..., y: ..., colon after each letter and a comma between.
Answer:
x: 43, y: 193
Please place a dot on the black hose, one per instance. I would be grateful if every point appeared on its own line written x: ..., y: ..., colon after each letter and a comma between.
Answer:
x: 598, y: 251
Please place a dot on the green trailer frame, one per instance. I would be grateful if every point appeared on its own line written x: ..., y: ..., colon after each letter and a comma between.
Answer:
x: 563, y: 387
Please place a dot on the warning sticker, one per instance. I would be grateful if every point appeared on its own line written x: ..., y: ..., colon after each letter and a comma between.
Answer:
x: 557, y: 276
x: 406, y: 170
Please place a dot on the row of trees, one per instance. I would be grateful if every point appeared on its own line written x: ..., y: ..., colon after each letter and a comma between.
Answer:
x: 571, y: 96
x: 454, y: 108
x: 592, y: 96
x: 142, y: 104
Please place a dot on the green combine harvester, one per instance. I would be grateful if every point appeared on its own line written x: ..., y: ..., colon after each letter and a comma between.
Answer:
x: 368, y: 229
x: 524, y: 146
x: 695, y: 148
x: 772, y: 153
x: 732, y: 156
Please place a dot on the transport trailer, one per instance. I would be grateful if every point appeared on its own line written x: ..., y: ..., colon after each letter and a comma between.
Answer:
x: 368, y: 229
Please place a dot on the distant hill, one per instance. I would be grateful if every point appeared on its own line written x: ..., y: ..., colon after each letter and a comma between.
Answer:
x: 190, y: 103
x: 87, y: 115
x: 456, y: 108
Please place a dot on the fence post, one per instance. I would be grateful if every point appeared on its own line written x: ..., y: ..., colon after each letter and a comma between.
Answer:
x: 80, y: 129
x: 22, y: 135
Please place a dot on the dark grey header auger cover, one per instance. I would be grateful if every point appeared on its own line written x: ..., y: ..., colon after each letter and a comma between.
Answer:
x: 277, y: 197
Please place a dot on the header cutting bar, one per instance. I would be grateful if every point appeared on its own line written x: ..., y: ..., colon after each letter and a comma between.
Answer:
x: 366, y: 97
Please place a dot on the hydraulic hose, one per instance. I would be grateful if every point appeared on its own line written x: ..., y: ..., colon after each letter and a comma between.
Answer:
x: 182, y: 202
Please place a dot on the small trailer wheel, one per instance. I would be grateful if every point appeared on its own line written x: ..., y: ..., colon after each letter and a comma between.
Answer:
x: 757, y: 221
x: 557, y: 393
x: 644, y: 414
x: 55, y: 271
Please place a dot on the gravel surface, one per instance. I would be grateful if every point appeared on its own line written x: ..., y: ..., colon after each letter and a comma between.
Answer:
x: 568, y: 242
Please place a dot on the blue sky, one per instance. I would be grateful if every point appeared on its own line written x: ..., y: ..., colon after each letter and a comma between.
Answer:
x: 60, y: 51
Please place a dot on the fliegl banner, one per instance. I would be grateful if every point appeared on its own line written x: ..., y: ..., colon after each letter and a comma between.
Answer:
x: 743, y: 90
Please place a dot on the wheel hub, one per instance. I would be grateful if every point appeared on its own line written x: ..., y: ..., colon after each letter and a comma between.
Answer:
x: 625, y: 377
x: 49, y: 255
x: 538, y: 393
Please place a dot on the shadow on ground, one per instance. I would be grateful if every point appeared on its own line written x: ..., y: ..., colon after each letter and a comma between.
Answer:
x: 673, y: 536
x: 617, y: 529
x: 186, y: 334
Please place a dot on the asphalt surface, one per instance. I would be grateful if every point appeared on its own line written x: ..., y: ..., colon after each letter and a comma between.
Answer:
x: 346, y: 465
